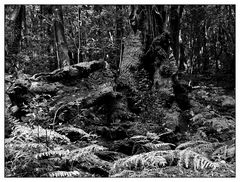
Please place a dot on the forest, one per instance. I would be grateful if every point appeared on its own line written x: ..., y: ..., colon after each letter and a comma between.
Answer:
x: 119, y: 91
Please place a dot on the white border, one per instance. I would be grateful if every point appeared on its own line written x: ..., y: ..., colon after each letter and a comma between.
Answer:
x: 116, y: 2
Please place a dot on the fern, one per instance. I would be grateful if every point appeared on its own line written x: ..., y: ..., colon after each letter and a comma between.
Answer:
x: 219, y: 123
x: 90, y: 160
x: 27, y: 145
x: 21, y: 145
x: 90, y: 149
x: 58, y: 174
x: 123, y: 174
x: 138, y: 137
x: 38, y: 134
x: 152, y: 136
x: 206, y: 149
x: 86, y: 156
x: 191, y: 159
x: 19, y: 157
x: 159, y: 146
x: 81, y: 132
x: 190, y: 144
x: 224, y: 152
x: 152, y: 159
x: 52, y: 153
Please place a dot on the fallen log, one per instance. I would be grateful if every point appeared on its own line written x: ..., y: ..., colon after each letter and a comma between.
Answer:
x: 25, y: 87
x: 80, y: 70
x: 104, y: 95
x: 42, y: 82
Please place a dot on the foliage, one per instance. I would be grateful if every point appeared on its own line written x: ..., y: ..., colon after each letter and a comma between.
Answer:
x: 38, y: 134
x: 188, y: 159
x: 37, y: 152
x: 224, y: 153
x: 208, y: 33
x: 190, y: 144
x: 95, y: 27
x: 138, y: 162
x: 58, y: 174
x: 159, y: 146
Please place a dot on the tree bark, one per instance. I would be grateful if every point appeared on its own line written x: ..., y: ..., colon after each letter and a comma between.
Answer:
x: 25, y: 88
x: 79, y: 34
x: 59, y: 37
x: 80, y: 70
x: 47, y: 10
x: 182, y: 58
x: 119, y: 35
x: 151, y: 21
x: 17, y: 18
x: 174, y: 28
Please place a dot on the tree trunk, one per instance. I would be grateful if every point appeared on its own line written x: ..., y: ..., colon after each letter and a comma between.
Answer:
x: 151, y: 21
x: 60, y: 40
x: 47, y: 10
x: 17, y: 18
x: 119, y: 35
x: 25, y: 88
x: 204, y: 51
x: 79, y: 34
x: 174, y: 28
x: 182, y: 58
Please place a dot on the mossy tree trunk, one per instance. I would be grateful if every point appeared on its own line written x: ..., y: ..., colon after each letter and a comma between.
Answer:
x: 152, y: 21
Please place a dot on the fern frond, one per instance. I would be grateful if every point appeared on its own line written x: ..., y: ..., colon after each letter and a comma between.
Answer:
x: 25, y: 145
x: 38, y: 134
x: 159, y: 146
x: 224, y: 152
x: 68, y: 129
x: 86, y: 155
x: 191, y: 159
x: 152, y: 136
x: 219, y: 123
x: 90, y: 160
x: 152, y: 159
x: 89, y: 149
x: 138, y: 137
x: 58, y: 174
x: 15, y: 147
x: 206, y: 149
x: 51, y: 153
x: 123, y: 174
x: 190, y: 144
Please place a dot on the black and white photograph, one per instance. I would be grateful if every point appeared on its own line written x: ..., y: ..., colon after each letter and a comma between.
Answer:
x: 119, y: 90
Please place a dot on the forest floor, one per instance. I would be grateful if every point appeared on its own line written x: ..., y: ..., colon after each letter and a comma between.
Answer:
x: 81, y: 143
